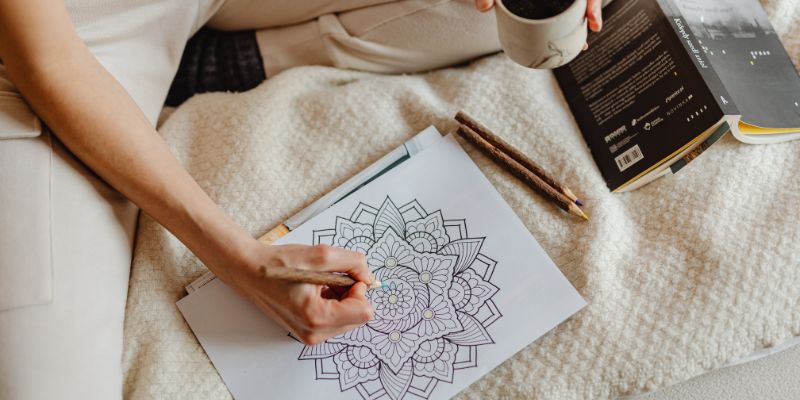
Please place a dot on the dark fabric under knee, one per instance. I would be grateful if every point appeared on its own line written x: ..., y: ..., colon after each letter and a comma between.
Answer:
x: 215, y: 61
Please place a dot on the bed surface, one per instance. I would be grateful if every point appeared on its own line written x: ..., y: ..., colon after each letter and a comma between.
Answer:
x: 682, y: 276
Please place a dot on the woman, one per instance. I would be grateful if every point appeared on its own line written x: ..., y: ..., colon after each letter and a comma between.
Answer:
x: 96, y: 73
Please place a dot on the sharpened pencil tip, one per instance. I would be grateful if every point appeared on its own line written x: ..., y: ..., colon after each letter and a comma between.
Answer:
x: 577, y: 211
x: 579, y: 202
x: 376, y: 284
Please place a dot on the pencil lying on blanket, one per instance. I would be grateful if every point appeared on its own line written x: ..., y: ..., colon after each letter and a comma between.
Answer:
x: 331, y: 279
x: 516, y: 155
x: 532, y: 180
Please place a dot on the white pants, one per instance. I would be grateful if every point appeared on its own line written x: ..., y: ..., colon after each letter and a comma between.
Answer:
x: 372, y: 35
x: 66, y: 237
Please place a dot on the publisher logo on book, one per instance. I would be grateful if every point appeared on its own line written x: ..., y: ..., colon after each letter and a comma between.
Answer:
x: 616, y: 133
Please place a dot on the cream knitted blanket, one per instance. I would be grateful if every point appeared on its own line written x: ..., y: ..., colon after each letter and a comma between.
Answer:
x: 681, y: 276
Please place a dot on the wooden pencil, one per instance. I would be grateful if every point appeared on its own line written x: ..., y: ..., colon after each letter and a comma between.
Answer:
x: 515, y: 154
x: 532, y: 180
x: 313, y: 277
x: 274, y: 234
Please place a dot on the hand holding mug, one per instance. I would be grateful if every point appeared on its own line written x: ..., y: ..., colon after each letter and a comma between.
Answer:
x: 593, y: 12
x: 544, y: 33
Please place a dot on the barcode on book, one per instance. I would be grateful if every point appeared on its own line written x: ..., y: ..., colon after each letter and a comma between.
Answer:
x: 628, y: 158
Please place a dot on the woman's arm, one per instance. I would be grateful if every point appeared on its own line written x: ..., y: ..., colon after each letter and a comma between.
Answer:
x: 97, y: 120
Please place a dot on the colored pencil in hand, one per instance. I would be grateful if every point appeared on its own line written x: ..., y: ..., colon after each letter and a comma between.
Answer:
x: 331, y: 279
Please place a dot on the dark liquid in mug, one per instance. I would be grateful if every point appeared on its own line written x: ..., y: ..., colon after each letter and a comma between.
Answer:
x: 537, y: 9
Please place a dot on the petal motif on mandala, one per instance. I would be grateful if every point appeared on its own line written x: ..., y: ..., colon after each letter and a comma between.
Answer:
x: 459, y: 292
x: 397, y: 382
x: 422, y: 242
x: 388, y: 216
x: 435, y: 359
x: 473, y: 334
x: 466, y: 250
x: 353, y: 235
x: 390, y: 251
x: 479, y: 291
x: 356, y: 365
x: 427, y: 234
x: 355, y: 337
x: 438, y: 319
x: 394, y: 348
x: 399, y: 306
x: 436, y: 271
x: 322, y: 350
x: 360, y: 244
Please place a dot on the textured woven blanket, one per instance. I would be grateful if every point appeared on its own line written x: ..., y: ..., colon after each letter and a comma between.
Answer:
x: 681, y: 277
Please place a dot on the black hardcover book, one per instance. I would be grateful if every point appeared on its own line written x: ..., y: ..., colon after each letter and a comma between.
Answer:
x: 665, y: 79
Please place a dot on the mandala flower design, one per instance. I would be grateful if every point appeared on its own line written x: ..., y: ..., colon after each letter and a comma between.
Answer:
x: 431, y: 317
x: 396, y: 299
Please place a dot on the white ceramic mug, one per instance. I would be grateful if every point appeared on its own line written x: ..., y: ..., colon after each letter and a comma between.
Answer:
x: 542, y: 43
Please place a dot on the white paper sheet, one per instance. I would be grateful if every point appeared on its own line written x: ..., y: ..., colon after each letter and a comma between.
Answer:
x: 469, y: 287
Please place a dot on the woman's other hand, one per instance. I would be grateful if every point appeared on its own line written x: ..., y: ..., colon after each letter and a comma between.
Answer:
x: 593, y: 11
x: 311, y: 313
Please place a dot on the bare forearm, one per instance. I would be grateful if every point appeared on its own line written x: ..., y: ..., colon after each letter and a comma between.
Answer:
x: 94, y: 116
x: 99, y: 122
x: 107, y: 131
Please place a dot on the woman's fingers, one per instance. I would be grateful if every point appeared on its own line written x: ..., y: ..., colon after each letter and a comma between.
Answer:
x: 593, y: 11
x: 327, y: 258
x: 322, y: 318
x: 314, y: 313
x: 484, y: 5
x: 353, y: 308
x: 594, y: 14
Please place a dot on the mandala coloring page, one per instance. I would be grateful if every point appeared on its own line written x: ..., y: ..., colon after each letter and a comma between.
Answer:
x: 453, y: 256
x: 430, y: 320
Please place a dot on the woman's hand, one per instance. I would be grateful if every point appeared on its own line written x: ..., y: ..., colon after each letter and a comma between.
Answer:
x: 593, y: 12
x: 311, y: 313
x: 51, y: 66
